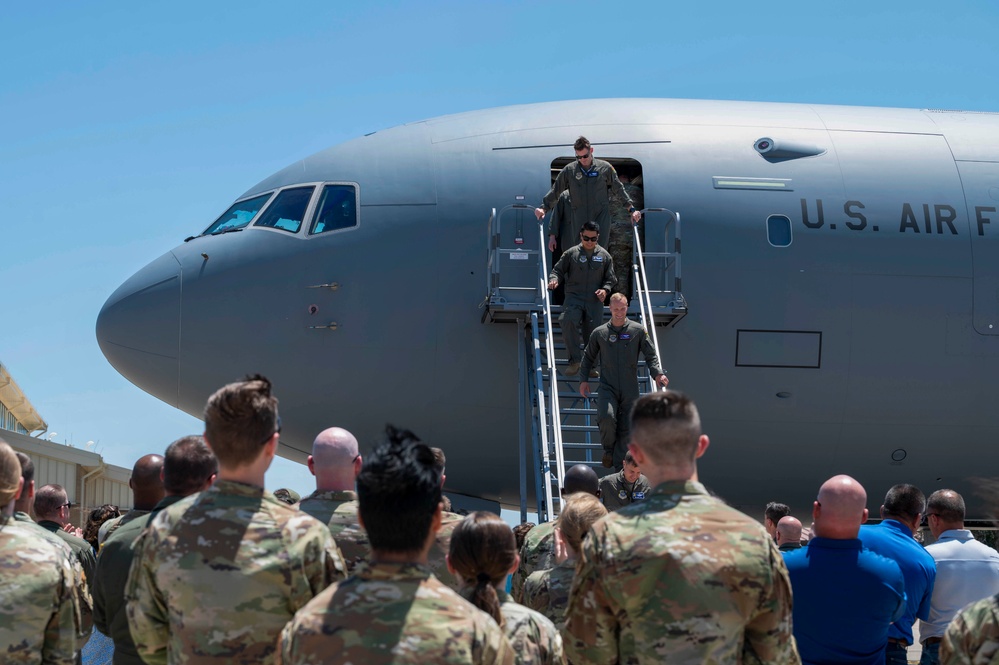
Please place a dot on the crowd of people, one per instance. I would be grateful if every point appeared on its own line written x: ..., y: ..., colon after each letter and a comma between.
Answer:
x: 641, y: 566
x: 644, y: 565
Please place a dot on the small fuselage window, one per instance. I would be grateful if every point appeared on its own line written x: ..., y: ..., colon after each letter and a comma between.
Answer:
x: 288, y: 210
x: 779, y: 230
x: 337, y: 209
x: 239, y: 214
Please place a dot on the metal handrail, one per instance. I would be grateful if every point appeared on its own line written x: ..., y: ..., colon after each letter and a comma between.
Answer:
x: 542, y: 429
x: 490, y: 251
x: 556, y: 416
x: 642, y: 285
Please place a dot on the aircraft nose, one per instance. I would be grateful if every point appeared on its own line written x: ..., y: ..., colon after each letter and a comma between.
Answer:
x: 138, y: 328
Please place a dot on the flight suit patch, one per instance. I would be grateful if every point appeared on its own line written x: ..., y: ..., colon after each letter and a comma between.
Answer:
x: 622, y: 495
x: 638, y: 496
x: 612, y: 337
x: 625, y: 336
x: 582, y: 259
x: 598, y: 259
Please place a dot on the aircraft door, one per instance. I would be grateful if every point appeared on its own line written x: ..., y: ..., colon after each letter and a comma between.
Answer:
x: 981, y: 191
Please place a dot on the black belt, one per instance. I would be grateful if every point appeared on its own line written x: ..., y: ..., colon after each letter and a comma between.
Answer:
x: 932, y: 640
x: 899, y: 641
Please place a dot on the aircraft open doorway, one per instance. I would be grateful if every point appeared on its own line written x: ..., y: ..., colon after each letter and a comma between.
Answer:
x: 619, y: 237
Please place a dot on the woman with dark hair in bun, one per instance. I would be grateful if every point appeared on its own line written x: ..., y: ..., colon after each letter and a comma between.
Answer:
x: 483, y: 552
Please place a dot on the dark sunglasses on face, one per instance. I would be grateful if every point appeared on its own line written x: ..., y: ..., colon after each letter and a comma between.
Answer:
x: 589, y: 238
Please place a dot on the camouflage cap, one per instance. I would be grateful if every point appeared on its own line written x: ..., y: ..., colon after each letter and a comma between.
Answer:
x: 287, y: 495
x: 10, y: 474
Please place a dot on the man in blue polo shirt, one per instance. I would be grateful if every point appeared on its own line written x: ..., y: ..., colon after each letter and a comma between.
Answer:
x: 893, y: 538
x: 845, y: 596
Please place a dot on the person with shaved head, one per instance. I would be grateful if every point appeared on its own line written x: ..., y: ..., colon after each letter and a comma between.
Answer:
x: 538, y: 552
x: 146, y: 483
x: 788, y: 533
x: 335, y: 462
x: 845, y: 596
x: 680, y: 577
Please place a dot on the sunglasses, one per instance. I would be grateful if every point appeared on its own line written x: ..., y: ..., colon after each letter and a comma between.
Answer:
x: 586, y: 156
x: 589, y: 238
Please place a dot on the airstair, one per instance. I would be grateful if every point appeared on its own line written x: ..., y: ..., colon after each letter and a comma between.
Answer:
x: 561, y: 423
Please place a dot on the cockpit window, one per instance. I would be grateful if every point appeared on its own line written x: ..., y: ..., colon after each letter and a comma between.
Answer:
x: 337, y: 209
x: 239, y: 214
x: 288, y: 209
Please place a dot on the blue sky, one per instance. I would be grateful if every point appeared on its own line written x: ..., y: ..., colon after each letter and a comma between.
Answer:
x: 125, y: 127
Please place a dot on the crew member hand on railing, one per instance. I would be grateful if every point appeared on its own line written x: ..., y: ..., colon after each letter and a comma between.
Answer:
x: 662, y: 380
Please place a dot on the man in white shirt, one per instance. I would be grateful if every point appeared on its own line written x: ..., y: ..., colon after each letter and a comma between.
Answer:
x: 967, y: 570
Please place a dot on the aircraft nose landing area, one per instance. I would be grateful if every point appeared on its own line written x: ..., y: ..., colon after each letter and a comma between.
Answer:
x: 138, y: 328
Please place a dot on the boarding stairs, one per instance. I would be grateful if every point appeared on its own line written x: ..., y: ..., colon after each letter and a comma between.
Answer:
x: 563, y: 424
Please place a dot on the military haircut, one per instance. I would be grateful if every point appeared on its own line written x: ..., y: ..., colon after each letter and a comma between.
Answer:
x: 27, y: 467
x: 440, y: 460
x: 240, y: 418
x: 580, y: 512
x: 666, y: 426
x: 10, y: 473
x: 483, y: 550
x: 188, y: 463
x: 775, y: 511
x: 904, y: 500
x: 948, y: 504
x: 398, y: 491
x: 48, y: 500
x: 582, y: 143
x: 591, y: 226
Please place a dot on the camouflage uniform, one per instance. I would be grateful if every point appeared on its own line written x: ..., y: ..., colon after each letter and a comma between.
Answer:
x: 679, y: 578
x: 547, y: 591
x: 113, y: 564
x: 972, y: 638
x: 392, y: 613
x: 83, y: 604
x: 338, y: 511
x: 533, y: 636
x: 442, y: 545
x: 622, y: 238
x: 590, y: 193
x: 37, y: 616
x: 538, y: 553
x: 618, y: 350
x: 583, y: 273
x: 616, y: 492
x: 217, y: 575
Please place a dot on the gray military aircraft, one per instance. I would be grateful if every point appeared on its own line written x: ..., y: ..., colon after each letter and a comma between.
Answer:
x: 841, y: 267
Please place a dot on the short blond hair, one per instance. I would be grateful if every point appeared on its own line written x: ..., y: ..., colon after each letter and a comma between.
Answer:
x: 580, y: 512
